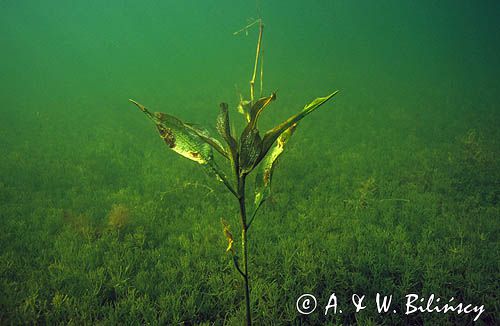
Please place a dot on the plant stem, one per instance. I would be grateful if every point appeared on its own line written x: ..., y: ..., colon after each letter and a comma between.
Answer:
x: 244, y: 247
x: 257, y: 54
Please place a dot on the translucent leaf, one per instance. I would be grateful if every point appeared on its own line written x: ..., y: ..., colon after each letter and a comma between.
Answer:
x: 273, y: 134
x: 266, y: 168
x: 205, y: 135
x: 187, y: 140
x: 182, y: 139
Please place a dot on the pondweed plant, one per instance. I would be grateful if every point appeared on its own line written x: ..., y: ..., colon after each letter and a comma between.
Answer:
x: 246, y: 153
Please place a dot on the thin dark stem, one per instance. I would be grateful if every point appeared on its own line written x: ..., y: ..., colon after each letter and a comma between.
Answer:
x: 228, y: 186
x: 237, y: 266
x: 253, y: 216
x: 244, y: 246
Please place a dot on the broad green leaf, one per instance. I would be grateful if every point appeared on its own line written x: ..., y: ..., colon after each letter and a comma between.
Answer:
x: 266, y: 168
x: 181, y: 138
x: 273, y: 134
x: 205, y: 135
x: 224, y: 129
x: 250, y: 149
x: 187, y: 140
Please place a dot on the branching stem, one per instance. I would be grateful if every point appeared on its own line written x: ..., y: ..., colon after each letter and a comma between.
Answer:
x: 237, y: 266
x: 245, y: 29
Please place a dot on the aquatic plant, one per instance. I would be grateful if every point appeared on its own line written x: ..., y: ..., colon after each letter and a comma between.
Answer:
x: 246, y: 153
x: 118, y: 217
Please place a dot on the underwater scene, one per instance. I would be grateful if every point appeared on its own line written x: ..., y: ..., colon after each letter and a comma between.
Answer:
x: 250, y: 162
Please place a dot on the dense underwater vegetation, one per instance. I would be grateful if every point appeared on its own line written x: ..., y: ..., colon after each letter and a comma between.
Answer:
x: 393, y: 188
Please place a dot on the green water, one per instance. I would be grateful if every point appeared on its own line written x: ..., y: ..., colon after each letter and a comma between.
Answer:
x: 392, y: 187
